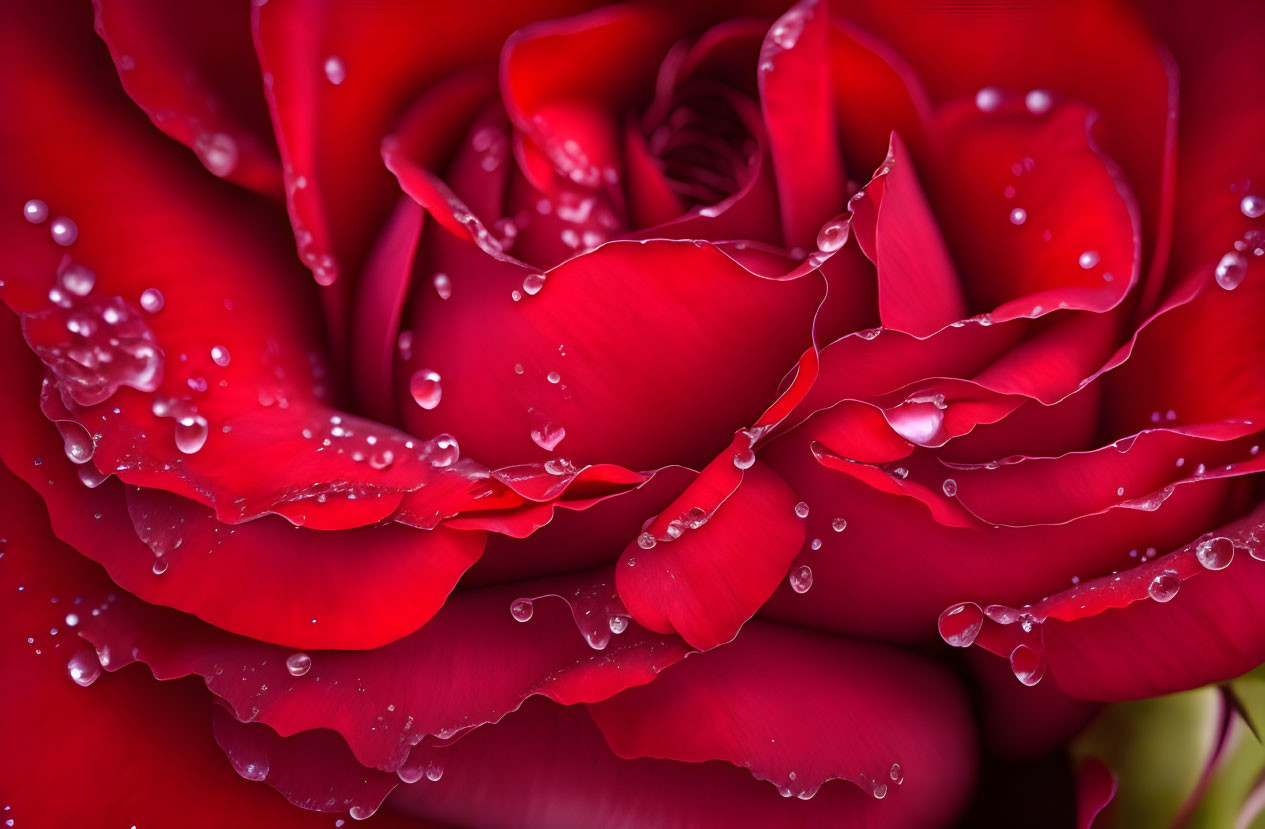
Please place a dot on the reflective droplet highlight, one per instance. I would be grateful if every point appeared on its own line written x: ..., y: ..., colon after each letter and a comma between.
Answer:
x: 1164, y: 586
x: 522, y: 610
x: 335, y: 70
x: 298, y: 664
x: 1215, y: 553
x: 35, y: 211
x: 960, y: 624
x: 1231, y: 270
x: 425, y: 388
x: 801, y: 578
x: 64, y: 231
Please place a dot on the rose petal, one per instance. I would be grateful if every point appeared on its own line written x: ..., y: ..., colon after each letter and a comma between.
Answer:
x: 1095, y: 789
x: 192, y: 68
x: 704, y: 580
x: 799, y: 709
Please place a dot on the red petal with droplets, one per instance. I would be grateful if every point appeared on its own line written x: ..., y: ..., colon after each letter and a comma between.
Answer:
x: 798, y: 709
x: 705, y: 580
x: 192, y: 68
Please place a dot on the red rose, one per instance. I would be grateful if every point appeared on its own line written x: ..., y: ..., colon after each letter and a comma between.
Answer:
x: 637, y: 333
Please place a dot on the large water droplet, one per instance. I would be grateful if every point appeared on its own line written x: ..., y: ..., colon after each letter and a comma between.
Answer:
x: 801, y: 578
x: 220, y: 355
x: 522, y: 610
x: 896, y: 774
x: 444, y: 451
x: 35, y: 211
x: 1215, y: 553
x: 425, y: 388
x: 1252, y: 206
x: 839, y: 524
x: 1028, y: 664
x: 1038, y: 101
x: 64, y: 231
x: 548, y: 435
x: 152, y: 300
x: 801, y: 510
x: 1164, y: 586
x: 960, y: 624
x: 532, y: 283
x: 78, y: 443
x: 217, y: 151
x: 647, y: 541
x: 744, y: 459
x: 988, y: 99
x: 833, y: 234
x: 191, y: 433
x: 918, y: 422
x: 160, y: 566
x: 77, y: 279
x: 84, y: 669
x: 443, y: 285
x: 1088, y: 259
x: 1018, y: 216
x: 335, y: 70
x: 298, y: 664
x: 1231, y: 270
x: 949, y: 487
x: 618, y: 624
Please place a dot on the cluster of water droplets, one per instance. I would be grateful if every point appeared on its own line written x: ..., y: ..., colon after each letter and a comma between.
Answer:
x: 596, y: 608
x: 1231, y: 269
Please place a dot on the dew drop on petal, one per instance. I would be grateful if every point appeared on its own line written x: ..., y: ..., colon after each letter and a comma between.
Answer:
x: 91, y: 477
x: 532, y: 283
x: 219, y: 355
x: 801, y: 578
x: 839, y: 524
x: 160, y: 566
x: 618, y: 624
x: 443, y: 285
x: 191, y: 433
x: 896, y: 774
x: 815, y: 544
x: 744, y: 459
x: 445, y: 451
x: 425, y: 388
x: 1251, y: 206
x: 217, y: 151
x: 548, y: 435
x: 64, y: 231
x: 833, y: 234
x: 1164, y: 586
x: 77, y: 279
x: 77, y: 442
x: 1231, y: 270
x: 949, y: 487
x: 1088, y: 259
x: 35, y: 211
x: 84, y: 669
x: 879, y: 790
x: 298, y: 664
x: 647, y: 541
x: 988, y: 99
x: 335, y: 70
x: 1028, y: 664
x: 1215, y: 553
x: 522, y: 610
x: 960, y: 624
x: 152, y: 300
x: 801, y: 510
x: 1018, y: 216
x: 1038, y: 101
x: 553, y: 377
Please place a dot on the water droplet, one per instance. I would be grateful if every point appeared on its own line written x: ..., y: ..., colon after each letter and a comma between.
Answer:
x: 35, y: 211
x: 219, y: 355
x: 381, y: 458
x: 160, y: 566
x: 78, y: 443
x: 191, y: 433
x: 64, y: 231
x: 1252, y: 206
x: 949, y: 487
x: 879, y: 790
x: 84, y: 669
x: 917, y: 422
x: 516, y: 295
x: 91, y: 477
x: 443, y: 285
x: 1028, y: 664
x: 1164, y: 586
x: 1038, y: 101
x: 801, y: 510
x: 839, y: 524
x: 152, y: 300
x: 1088, y: 259
x: 896, y: 774
x: 1231, y: 270
x: 801, y: 578
x: 744, y: 459
x: 434, y: 772
x: 444, y: 451
x: 833, y: 235
x: 1018, y: 216
x: 815, y: 544
x: 553, y: 377
x: 988, y: 99
x: 1215, y: 553
x: 647, y: 541
x: 335, y: 70
x: 217, y: 151
x: 548, y: 435
x: 786, y: 31
x: 522, y: 610
x: 960, y: 624
x: 425, y: 388
x: 559, y: 466
x: 618, y: 624
x: 532, y: 283
x: 77, y: 279
x: 298, y: 664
